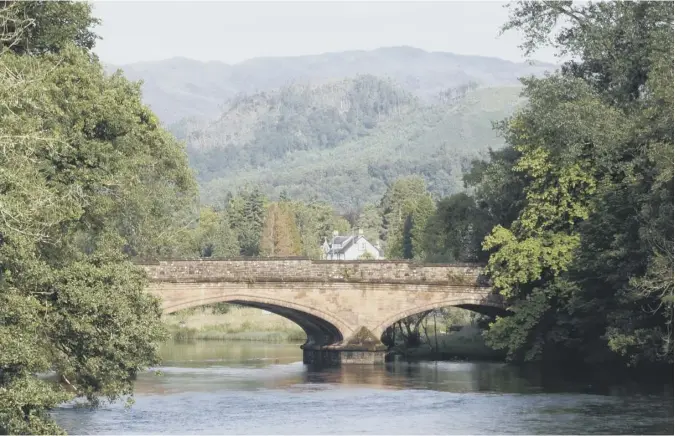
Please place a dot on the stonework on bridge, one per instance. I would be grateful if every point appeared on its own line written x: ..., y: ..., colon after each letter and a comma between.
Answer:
x: 343, y: 307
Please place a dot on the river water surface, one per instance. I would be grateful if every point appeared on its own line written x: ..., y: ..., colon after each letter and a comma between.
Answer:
x: 252, y: 388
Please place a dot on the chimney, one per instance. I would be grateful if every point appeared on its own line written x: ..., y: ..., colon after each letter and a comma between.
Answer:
x: 335, y: 233
x: 360, y: 232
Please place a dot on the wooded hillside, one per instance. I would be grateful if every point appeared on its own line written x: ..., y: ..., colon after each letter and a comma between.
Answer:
x: 346, y: 141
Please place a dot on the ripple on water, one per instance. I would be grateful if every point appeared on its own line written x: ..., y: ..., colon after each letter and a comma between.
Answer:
x: 234, y: 371
x: 421, y: 398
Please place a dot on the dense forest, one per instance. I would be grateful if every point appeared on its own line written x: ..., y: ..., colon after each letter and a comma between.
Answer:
x: 344, y: 142
x: 254, y: 130
x: 573, y: 216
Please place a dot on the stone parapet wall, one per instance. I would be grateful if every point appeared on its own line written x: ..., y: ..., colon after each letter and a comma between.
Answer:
x: 305, y: 270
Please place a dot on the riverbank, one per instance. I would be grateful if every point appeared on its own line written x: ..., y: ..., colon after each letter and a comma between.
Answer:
x: 467, y: 343
x: 235, y: 324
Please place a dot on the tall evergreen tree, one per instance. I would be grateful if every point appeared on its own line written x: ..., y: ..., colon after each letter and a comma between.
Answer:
x: 280, y: 236
x: 246, y: 213
x: 406, y: 207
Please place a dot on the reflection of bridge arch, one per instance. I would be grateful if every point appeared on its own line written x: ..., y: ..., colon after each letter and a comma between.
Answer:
x: 320, y: 327
x: 487, y: 306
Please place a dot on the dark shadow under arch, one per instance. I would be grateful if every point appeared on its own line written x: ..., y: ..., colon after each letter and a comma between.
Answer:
x: 487, y: 307
x: 319, y: 331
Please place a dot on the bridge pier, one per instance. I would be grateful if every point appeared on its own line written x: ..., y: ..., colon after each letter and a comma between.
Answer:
x: 335, y: 356
x: 362, y: 348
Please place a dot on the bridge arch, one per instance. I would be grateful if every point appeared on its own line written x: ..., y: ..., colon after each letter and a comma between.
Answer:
x: 483, y: 306
x: 321, y: 328
x: 343, y: 306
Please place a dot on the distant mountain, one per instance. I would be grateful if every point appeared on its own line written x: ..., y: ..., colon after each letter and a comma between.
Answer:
x: 181, y: 88
x: 337, y: 127
x: 344, y: 141
x: 257, y: 129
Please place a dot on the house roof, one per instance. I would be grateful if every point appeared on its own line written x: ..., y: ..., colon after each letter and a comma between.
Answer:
x: 345, y: 243
x: 341, y: 239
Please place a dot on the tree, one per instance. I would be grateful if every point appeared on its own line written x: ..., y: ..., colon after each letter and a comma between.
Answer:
x: 39, y: 27
x: 419, y: 217
x: 213, y: 237
x: 406, y: 206
x: 246, y: 213
x: 280, y: 236
x: 370, y: 221
x: 497, y: 189
x: 93, y: 179
x: 579, y: 264
x: 408, y: 329
x: 455, y: 232
x: 316, y: 223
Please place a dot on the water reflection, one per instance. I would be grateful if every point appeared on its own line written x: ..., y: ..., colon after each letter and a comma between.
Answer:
x: 249, y: 388
x: 208, y: 353
x: 439, y: 376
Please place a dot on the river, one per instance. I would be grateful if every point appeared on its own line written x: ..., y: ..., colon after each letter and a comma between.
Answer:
x: 255, y: 388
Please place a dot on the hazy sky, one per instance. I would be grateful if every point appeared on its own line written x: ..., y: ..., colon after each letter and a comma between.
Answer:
x: 231, y: 32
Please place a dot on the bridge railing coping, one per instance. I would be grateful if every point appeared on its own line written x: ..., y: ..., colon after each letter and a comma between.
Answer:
x: 411, y: 263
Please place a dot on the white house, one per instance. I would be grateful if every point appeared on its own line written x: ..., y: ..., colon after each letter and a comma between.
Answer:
x: 352, y: 247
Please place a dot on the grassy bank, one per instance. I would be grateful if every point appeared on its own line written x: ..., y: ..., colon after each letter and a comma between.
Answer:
x: 465, y: 344
x: 236, y: 324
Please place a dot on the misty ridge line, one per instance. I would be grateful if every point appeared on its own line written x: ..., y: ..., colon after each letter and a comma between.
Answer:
x: 179, y: 87
x: 322, y: 54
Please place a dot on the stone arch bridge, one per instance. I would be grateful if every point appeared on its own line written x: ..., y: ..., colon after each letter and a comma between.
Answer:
x: 344, y: 307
